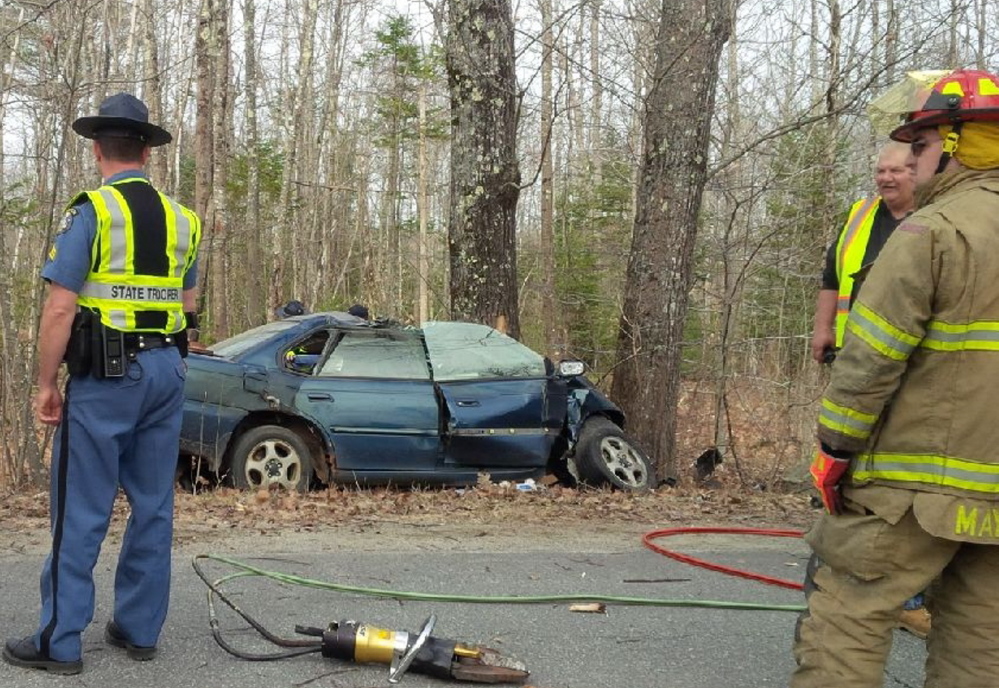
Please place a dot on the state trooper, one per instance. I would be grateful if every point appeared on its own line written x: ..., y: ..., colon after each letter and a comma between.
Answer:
x: 121, y: 292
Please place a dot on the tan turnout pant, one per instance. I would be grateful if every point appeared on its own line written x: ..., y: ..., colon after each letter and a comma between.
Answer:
x: 868, y: 569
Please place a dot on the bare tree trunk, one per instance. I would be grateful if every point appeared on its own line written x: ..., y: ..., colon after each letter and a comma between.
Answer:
x: 335, y: 256
x: 596, y: 111
x: 309, y: 225
x: 188, y: 79
x: 891, y: 42
x: 256, y: 297
x: 288, y: 202
x: 830, y: 126
x: 153, y: 89
x: 219, y: 266
x: 554, y: 341
x: 133, y: 30
x: 952, y: 21
x: 104, y: 57
x: 304, y: 111
x: 24, y: 446
x: 424, y: 211
x: 982, y: 33
x: 674, y: 169
x: 832, y: 61
x: 730, y: 286
x: 203, y: 144
x: 362, y: 231
x: 11, y: 461
x: 640, y: 78
x: 7, y: 70
x: 485, y: 178
x: 391, y: 248
x: 813, y: 52
x: 576, y: 113
x: 299, y: 96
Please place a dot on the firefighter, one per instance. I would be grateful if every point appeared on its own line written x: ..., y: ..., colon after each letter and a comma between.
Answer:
x: 868, y: 225
x: 908, y: 460
x: 122, y: 276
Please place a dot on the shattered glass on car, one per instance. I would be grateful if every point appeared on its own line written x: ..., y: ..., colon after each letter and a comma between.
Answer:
x: 464, y: 351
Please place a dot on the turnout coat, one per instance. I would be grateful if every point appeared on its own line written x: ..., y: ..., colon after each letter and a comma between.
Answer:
x: 915, y: 390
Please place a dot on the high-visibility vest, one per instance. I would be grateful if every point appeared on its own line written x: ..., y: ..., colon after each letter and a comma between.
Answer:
x: 139, y: 257
x: 850, y: 250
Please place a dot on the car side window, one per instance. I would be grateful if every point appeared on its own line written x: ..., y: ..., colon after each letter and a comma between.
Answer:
x: 303, y: 356
x: 377, y: 355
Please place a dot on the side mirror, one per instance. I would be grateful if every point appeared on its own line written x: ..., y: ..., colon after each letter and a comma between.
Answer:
x: 571, y: 368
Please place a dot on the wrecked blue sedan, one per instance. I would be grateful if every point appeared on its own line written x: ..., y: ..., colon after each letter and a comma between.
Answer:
x: 331, y: 398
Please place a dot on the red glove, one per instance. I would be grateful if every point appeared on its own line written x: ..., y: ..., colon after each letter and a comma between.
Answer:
x: 827, y: 470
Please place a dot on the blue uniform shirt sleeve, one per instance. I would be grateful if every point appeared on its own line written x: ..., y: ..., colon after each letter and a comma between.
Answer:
x: 191, y: 276
x: 68, y: 262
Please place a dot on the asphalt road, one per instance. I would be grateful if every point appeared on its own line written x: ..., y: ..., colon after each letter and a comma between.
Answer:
x: 626, y: 647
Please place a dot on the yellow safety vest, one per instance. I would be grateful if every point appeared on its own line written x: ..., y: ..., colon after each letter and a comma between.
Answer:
x: 127, y: 300
x: 850, y: 250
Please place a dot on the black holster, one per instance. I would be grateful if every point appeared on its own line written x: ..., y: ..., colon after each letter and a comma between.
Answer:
x: 80, y: 347
x: 94, y: 349
x: 183, y: 343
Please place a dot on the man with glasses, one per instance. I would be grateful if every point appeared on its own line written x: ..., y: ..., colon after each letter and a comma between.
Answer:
x: 908, y: 462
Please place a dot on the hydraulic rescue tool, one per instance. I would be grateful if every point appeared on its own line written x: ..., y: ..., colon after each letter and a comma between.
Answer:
x: 358, y: 642
x: 421, y: 653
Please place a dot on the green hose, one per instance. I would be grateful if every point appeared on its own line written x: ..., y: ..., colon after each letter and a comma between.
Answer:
x: 248, y: 570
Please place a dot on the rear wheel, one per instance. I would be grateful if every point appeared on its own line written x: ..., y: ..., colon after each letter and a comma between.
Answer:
x: 271, y: 455
x: 605, y: 454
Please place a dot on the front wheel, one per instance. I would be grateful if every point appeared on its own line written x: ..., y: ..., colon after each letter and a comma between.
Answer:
x: 269, y: 455
x: 605, y: 454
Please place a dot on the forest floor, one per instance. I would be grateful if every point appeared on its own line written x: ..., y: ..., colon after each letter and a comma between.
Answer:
x: 445, y: 518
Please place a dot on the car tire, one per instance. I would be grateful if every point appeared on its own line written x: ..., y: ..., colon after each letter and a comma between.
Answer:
x: 268, y: 455
x: 605, y: 454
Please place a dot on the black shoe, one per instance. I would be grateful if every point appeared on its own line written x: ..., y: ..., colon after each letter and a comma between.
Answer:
x: 23, y: 653
x: 114, y: 636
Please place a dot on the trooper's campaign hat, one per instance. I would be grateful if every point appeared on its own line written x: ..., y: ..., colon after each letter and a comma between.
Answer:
x: 122, y: 116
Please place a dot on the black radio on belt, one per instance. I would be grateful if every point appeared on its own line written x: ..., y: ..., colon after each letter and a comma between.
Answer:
x: 107, y: 350
x: 94, y: 349
x: 112, y: 352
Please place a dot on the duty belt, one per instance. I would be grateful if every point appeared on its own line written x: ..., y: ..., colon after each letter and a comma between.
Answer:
x: 136, y: 342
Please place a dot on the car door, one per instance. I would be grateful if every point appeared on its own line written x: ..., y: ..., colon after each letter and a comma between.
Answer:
x: 373, y: 393
x: 496, y: 392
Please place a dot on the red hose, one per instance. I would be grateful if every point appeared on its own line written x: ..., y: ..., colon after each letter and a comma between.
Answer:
x: 728, y: 570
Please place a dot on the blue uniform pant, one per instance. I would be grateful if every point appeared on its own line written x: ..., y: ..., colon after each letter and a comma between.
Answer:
x: 118, y: 431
